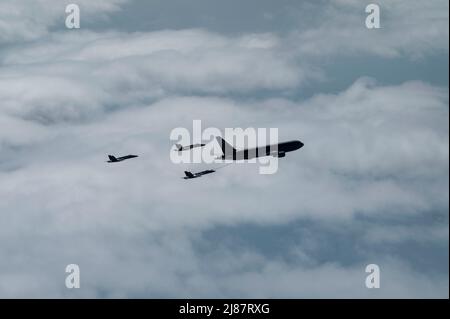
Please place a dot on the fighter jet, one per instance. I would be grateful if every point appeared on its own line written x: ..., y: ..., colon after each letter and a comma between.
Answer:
x: 189, y: 175
x: 181, y: 148
x: 276, y: 150
x: 113, y: 159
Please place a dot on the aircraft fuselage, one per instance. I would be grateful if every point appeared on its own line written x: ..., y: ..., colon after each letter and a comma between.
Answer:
x: 278, y: 150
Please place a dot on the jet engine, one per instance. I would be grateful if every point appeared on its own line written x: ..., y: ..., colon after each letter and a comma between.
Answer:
x: 279, y: 154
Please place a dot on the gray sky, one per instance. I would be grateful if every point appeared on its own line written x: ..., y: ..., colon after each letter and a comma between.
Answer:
x: 370, y: 185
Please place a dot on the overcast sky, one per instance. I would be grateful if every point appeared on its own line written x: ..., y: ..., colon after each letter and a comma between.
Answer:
x: 371, y: 184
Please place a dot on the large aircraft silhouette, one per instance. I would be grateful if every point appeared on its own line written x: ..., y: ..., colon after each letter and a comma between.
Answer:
x: 276, y: 150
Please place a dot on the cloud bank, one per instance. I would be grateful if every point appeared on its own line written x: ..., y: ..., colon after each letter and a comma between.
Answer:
x: 370, y: 185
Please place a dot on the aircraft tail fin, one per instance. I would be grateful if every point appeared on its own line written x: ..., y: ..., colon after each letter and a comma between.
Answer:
x: 189, y: 174
x: 227, y: 149
x: 112, y: 158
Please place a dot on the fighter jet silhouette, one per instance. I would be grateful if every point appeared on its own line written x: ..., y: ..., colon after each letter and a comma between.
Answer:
x: 113, y: 159
x: 181, y: 148
x: 189, y: 175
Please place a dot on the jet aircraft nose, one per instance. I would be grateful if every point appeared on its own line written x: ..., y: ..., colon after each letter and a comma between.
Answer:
x: 297, y: 145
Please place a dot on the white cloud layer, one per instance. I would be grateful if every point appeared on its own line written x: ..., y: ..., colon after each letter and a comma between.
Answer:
x: 26, y: 20
x: 63, y: 191
x: 67, y: 99
x: 408, y: 28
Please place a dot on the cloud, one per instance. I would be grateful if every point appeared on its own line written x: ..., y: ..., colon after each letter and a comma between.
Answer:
x: 28, y: 20
x: 372, y: 151
x: 72, y: 194
x: 389, y: 234
x: 319, y: 29
x: 388, y: 141
x: 71, y: 76
x: 51, y: 83
x: 411, y: 29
